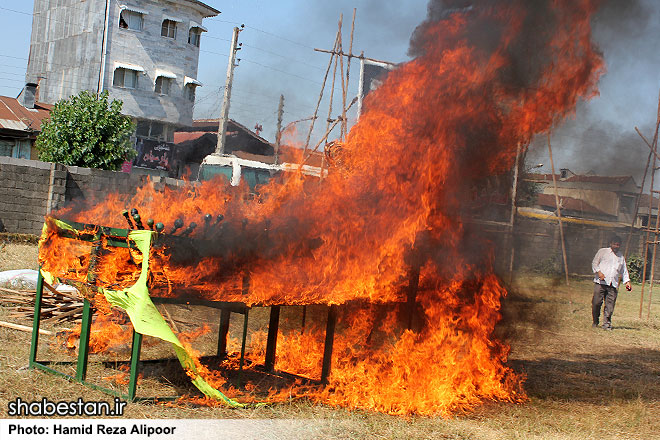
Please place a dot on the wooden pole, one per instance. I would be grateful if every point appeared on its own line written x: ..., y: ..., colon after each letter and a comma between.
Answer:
x: 654, y: 153
x: 226, y: 100
x: 637, y: 202
x: 654, y: 148
x: 655, y: 250
x: 318, y: 103
x: 514, y: 193
x: 328, y: 119
x: 361, y: 56
x: 657, y: 217
x: 646, y: 239
x: 278, y: 135
x: 325, y: 136
x: 561, y: 228
x: 344, y: 85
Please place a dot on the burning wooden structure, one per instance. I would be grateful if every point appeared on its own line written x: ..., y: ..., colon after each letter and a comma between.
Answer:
x: 104, y: 240
x: 437, y: 126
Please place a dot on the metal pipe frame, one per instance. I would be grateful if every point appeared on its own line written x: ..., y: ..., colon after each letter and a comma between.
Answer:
x: 119, y: 238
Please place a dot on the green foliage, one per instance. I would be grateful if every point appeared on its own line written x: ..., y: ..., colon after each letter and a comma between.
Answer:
x: 87, y: 131
x: 635, y: 267
x: 550, y: 266
x: 527, y: 192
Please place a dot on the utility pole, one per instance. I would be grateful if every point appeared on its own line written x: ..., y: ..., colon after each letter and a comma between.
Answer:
x: 278, y: 135
x: 224, y: 113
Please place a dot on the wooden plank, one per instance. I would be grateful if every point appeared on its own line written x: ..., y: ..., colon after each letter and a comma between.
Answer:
x: 24, y: 328
x: 59, y: 316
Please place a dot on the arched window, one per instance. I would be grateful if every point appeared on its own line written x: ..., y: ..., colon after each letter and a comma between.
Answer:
x: 163, y: 85
x: 164, y: 82
x: 194, y: 36
x: 129, y: 19
x: 190, y: 85
x: 169, y: 29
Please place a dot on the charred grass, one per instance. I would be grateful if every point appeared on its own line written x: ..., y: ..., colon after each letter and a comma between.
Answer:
x: 582, y: 382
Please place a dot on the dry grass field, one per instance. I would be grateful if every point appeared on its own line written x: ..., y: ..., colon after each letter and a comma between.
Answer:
x: 582, y: 383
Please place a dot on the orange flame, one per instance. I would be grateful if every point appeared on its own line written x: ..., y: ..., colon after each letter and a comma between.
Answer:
x: 436, y: 126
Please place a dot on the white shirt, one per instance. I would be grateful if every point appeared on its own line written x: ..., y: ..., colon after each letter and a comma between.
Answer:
x: 612, y: 265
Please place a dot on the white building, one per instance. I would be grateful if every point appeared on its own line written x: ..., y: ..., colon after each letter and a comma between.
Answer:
x: 143, y: 52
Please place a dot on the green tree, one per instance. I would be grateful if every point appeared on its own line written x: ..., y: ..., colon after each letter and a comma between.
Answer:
x: 87, y: 131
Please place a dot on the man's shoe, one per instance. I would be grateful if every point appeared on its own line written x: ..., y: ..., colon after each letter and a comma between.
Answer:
x: 594, y: 325
x: 607, y: 328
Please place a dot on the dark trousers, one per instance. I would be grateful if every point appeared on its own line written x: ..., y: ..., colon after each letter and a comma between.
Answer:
x: 607, y: 294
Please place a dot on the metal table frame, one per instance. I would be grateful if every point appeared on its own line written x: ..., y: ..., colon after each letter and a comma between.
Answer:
x: 115, y: 237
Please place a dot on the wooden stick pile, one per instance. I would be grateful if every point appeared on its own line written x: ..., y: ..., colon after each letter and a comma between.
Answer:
x: 55, y: 306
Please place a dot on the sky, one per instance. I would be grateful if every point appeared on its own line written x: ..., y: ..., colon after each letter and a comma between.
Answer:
x: 278, y: 57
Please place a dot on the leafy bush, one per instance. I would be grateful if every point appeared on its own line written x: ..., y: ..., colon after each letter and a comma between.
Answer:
x: 87, y: 131
x: 549, y: 266
x: 528, y: 192
x: 635, y: 267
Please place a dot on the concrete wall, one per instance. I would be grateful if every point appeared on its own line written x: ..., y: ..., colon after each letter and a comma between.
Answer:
x: 24, y: 193
x: 537, y: 245
x: 30, y: 189
x: 65, y: 47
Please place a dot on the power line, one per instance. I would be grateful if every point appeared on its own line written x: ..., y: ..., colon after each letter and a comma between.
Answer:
x: 216, y: 38
x: 262, y: 31
x: 265, y: 96
x: 280, y: 37
x: 284, y: 57
x: 18, y: 12
x: 265, y: 51
x: 263, y: 65
x: 281, y: 71
x: 214, y: 53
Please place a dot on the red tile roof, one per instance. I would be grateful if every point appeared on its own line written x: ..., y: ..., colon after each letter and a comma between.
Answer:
x: 182, y: 136
x: 13, y: 116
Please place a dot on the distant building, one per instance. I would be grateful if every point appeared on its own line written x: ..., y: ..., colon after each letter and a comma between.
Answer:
x: 143, y: 52
x: 19, y: 127
x: 610, y: 198
x: 245, y: 150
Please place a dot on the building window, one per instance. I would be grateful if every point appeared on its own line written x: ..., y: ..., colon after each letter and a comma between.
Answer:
x: 627, y: 205
x: 142, y: 128
x: 18, y: 148
x: 154, y: 130
x: 6, y: 148
x: 126, y: 78
x: 163, y: 85
x: 194, y: 36
x: 169, y: 29
x: 22, y: 149
x: 131, y: 20
x: 157, y: 130
x: 190, y: 92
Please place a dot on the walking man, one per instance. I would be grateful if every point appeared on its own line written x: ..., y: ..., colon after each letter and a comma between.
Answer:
x: 609, y: 267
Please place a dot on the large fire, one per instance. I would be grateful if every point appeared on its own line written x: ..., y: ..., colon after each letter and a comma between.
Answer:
x: 485, y: 79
